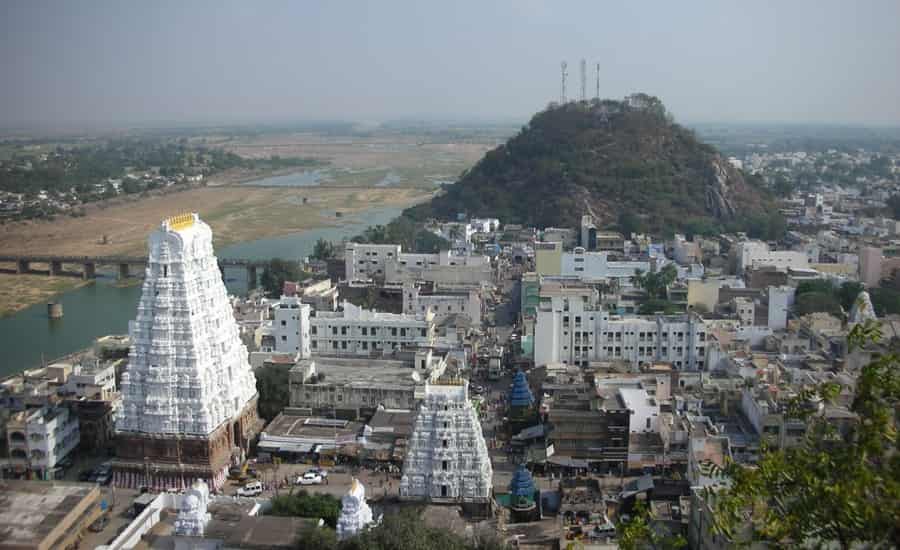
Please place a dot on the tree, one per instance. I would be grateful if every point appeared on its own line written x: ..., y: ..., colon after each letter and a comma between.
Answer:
x: 323, y: 250
x: 638, y: 532
x: 836, y: 487
x: 307, y: 505
x: 272, y: 384
x: 893, y: 204
x: 812, y: 302
x: 276, y: 273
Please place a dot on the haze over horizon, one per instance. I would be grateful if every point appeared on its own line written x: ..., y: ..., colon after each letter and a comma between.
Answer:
x: 111, y: 63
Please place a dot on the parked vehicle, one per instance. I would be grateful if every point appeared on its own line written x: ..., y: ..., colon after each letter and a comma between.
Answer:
x: 321, y: 471
x: 309, y: 478
x: 252, y: 489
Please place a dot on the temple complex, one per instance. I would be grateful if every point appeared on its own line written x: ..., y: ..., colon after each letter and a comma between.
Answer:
x: 189, y: 394
x: 447, y: 460
x: 355, y: 513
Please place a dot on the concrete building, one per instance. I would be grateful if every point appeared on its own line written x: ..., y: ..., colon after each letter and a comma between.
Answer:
x: 781, y: 299
x: 703, y: 294
x: 354, y: 387
x: 358, y: 331
x: 548, y: 258
x: 38, y: 440
x: 598, y: 266
x: 443, y: 303
x: 588, y: 233
x: 753, y: 254
x: 46, y: 515
x: 447, y: 459
x: 685, y: 251
x: 92, y: 381
x: 745, y: 310
x: 573, y: 331
x: 870, y: 260
x: 643, y: 408
x: 289, y: 331
x: 367, y: 261
x: 189, y: 394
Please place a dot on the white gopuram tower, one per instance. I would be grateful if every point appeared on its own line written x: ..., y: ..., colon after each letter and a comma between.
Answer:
x: 188, y: 393
x: 447, y: 460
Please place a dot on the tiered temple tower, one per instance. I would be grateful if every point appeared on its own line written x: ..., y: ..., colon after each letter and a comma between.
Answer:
x: 189, y: 394
x: 447, y: 460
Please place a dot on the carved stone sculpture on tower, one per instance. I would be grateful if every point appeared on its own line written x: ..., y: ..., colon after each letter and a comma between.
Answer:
x: 192, y: 515
x: 862, y: 309
x: 355, y: 513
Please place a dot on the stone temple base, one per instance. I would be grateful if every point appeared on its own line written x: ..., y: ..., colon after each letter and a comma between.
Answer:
x: 171, y: 461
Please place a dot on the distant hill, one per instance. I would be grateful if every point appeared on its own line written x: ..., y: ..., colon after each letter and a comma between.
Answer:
x: 625, y: 162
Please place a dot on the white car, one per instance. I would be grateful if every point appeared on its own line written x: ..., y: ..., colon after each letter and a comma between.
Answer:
x: 252, y: 489
x: 309, y: 478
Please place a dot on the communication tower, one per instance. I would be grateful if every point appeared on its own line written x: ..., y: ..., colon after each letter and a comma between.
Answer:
x: 597, y: 95
x: 562, y: 96
x: 583, y: 80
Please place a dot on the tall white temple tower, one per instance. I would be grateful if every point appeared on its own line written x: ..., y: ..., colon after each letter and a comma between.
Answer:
x: 189, y: 394
x: 447, y: 459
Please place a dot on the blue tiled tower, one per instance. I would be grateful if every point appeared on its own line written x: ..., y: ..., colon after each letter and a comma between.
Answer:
x: 520, y: 395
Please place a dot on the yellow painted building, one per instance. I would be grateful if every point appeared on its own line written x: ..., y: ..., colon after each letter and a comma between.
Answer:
x: 548, y: 258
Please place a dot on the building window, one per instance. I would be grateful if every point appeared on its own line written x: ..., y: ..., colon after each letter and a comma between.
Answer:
x: 344, y: 344
x: 365, y: 331
x: 445, y: 443
x: 314, y: 331
x: 444, y: 465
x: 283, y: 338
x: 283, y: 323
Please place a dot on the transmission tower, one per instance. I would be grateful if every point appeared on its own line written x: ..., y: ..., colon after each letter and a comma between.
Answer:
x: 597, y: 95
x: 583, y: 80
x: 562, y: 96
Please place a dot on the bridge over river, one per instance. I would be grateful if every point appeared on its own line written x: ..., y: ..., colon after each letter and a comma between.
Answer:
x: 86, y: 266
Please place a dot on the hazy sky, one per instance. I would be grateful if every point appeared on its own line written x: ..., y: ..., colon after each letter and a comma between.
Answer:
x: 72, y: 62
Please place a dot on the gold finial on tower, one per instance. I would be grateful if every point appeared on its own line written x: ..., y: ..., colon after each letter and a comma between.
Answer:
x: 180, y: 221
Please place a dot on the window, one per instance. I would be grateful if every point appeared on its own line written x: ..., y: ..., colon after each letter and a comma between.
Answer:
x: 343, y: 331
x: 344, y: 344
x: 313, y: 331
x: 314, y: 344
x: 365, y: 331
x: 445, y: 443
x: 283, y: 323
x: 393, y: 331
x: 283, y: 338
x: 334, y: 331
x: 444, y: 465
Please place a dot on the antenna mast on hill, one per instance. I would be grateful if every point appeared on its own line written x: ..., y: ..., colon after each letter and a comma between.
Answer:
x: 583, y: 80
x: 562, y: 97
x: 598, y: 83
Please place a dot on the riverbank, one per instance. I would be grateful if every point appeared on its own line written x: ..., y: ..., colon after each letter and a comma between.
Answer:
x: 236, y: 213
x: 18, y: 292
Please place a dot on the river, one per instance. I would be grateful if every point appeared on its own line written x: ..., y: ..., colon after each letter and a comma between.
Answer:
x: 28, y: 337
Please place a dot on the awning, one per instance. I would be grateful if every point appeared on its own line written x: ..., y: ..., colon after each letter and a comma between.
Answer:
x: 568, y: 462
x: 284, y: 447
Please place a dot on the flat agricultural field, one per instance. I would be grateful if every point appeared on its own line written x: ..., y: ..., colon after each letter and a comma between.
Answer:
x: 236, y: 213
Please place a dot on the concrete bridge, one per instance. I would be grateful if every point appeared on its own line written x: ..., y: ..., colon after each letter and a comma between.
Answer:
x: 23, y: 264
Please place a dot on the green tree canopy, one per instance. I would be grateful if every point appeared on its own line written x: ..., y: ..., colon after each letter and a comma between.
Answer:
x: 838, y: 487
x: 307, y: 505
x: 324, y: 250
x: 277, y: 272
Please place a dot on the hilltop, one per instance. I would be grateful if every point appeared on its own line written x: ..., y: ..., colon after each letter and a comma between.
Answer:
x: 625, y: 162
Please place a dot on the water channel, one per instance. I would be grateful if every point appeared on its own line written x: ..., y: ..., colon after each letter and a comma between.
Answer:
x: 29, y: 337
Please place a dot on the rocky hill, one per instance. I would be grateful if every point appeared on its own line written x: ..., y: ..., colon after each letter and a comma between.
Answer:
x: 625, y: 162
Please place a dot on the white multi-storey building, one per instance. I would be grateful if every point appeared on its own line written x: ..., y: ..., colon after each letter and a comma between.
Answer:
x: 38, y: 440
x: 570, y: 330
x: 597, y: 265
x: 92, y: 380
x: 388, y: 261
x: 447, y: 459
x: 358, y: 331
x: 288, y: 332
x: 752, y: 254
x: 366, y: 261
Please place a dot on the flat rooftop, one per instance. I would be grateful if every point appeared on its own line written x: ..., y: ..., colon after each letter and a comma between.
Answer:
x: 364, y: 373
x: 290, y: 425
x: 31, y: 510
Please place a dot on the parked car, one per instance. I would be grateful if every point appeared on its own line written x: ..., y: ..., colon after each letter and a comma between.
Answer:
x: 252, y: 489
x: 321, y: 471
x: 309, y: 478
